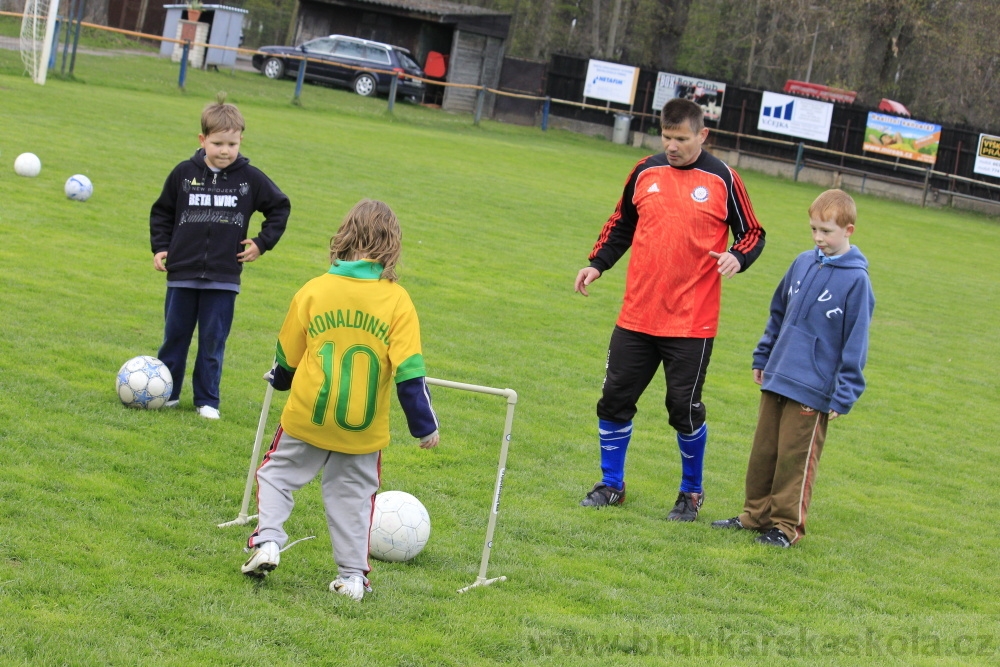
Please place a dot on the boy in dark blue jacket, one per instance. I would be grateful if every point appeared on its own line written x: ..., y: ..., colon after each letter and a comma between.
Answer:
x: 809, y: 365
x: 199, y: 235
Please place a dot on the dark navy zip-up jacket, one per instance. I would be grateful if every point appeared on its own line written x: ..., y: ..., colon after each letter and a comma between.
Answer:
x: 201, y: 216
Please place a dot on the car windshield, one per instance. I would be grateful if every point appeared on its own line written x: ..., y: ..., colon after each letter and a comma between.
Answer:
x: 406, y: 62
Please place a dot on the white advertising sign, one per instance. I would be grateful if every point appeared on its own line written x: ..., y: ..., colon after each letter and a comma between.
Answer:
x: 795, y: 116
x: 611, y: 82
x: 708, y: 94
x: 988, y: 156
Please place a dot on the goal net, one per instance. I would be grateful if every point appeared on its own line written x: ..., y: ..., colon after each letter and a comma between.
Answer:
x: 37, y: 29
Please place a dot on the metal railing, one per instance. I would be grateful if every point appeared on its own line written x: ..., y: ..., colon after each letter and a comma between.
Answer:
x: 481, y: 90
x: 923, y: 174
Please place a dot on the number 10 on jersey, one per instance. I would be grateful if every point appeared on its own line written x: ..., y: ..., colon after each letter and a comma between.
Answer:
x: 358, y: 393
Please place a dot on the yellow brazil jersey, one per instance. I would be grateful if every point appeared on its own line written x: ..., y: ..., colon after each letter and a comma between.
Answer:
x: 347, y: 335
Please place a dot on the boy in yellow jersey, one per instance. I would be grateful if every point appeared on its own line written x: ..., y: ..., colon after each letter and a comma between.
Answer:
x: 347, y: 336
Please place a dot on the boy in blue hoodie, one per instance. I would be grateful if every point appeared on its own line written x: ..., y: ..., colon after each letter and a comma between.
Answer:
x: 809, y: 365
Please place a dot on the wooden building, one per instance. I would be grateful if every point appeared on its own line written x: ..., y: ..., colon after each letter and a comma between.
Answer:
x: 471, y: 38
x: 137, y: 15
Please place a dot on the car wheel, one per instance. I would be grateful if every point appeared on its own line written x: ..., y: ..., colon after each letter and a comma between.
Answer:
x: 273, y: 68
x: 364, y: 85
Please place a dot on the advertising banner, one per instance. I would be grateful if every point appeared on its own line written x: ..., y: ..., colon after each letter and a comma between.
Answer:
x: 822, y: 92
x: 611, y: 82
x: 988, y: 156
x: 795, y: 116
x: 707, y: 94
x: 902, y: 137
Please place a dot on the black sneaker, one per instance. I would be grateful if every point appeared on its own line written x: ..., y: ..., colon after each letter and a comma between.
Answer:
x: 733, y: 523
x: 774, y: 538
x: 686, y: 507
x: 602, y: 495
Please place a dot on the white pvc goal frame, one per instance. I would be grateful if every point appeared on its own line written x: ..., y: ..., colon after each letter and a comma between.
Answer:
x: 36, y: 48
x: 243, y: 518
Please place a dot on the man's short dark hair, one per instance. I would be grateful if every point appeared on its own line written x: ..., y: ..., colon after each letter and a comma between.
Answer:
x: 678, y: 111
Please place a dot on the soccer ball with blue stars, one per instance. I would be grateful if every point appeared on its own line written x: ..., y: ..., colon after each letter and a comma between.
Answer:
x: 79, y: 188
x: 144, y: 382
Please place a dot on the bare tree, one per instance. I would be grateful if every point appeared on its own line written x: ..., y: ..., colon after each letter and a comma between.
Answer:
x: 542, y: 38
x: 609, y: 50
x: 595, y: 27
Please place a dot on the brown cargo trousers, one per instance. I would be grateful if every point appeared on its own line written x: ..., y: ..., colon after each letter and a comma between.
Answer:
x: 782, y: 468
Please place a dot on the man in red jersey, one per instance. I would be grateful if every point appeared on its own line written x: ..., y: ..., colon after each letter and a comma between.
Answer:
x: 676, y: 213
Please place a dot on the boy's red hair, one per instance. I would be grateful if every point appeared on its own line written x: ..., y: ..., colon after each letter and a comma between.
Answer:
x: 835, y: 205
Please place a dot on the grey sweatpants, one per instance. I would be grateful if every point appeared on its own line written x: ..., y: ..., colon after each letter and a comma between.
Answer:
x: 348, y: 487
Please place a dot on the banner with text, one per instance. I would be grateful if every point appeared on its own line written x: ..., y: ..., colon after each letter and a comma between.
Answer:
x: 902, y: 137
x: 707, y: 94
x: 795, y: 116
x: 611, y: 82
x: 988, y: 156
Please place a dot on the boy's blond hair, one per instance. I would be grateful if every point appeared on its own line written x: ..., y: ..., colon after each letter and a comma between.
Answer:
x: 835, y: 205
x: 369, y: 231
x: 221, y: 117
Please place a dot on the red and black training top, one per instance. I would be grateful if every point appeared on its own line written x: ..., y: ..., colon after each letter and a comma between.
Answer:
x: 672, y: 217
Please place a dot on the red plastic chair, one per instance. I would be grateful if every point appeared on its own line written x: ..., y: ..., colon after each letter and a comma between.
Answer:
x: 436, y: 66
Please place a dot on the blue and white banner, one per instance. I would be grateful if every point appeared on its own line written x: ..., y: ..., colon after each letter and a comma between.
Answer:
x: 611, y: 82
x: 795, y: 116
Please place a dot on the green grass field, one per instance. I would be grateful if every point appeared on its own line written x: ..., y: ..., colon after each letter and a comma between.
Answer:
x: 109, y: 551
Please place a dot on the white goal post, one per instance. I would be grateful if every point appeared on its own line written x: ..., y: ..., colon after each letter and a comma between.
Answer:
x: 243, y: 518
x: 37, y: 29
x: 511, y: 396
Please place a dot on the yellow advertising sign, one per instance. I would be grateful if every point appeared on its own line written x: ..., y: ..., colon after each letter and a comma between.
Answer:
x: 989, y: 147
x: 988, y: 156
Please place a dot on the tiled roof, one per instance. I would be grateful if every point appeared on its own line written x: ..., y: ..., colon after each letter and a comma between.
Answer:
x: 440, y: 7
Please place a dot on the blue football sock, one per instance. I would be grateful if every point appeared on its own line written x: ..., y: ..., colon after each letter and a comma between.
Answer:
x: 692, y: 446
x: 614, y: 443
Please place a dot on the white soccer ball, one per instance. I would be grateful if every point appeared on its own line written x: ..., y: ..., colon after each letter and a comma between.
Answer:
x: 144, y: 382
x: 27, y: 164
x: 400, y: 527
x: 79, y: 188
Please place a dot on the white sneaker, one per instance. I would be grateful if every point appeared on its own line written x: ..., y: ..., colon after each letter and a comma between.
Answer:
x: 172, y: 404
x: 264, y: 558
x: 353, y: 587
x: 207, y: 411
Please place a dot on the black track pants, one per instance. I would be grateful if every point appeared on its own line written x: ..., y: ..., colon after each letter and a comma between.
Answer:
x: 632, y: 362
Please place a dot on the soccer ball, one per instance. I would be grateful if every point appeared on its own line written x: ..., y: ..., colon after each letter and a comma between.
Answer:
x: 79, y: 188
x: 400, y: 527
x: 144, y: 383
x: 27, y: 164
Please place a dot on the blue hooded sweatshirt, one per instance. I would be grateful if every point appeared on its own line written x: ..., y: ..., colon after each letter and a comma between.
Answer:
x: 815, y: 344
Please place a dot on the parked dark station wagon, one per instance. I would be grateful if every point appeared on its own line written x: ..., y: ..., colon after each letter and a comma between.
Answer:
x: 347, y: 61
